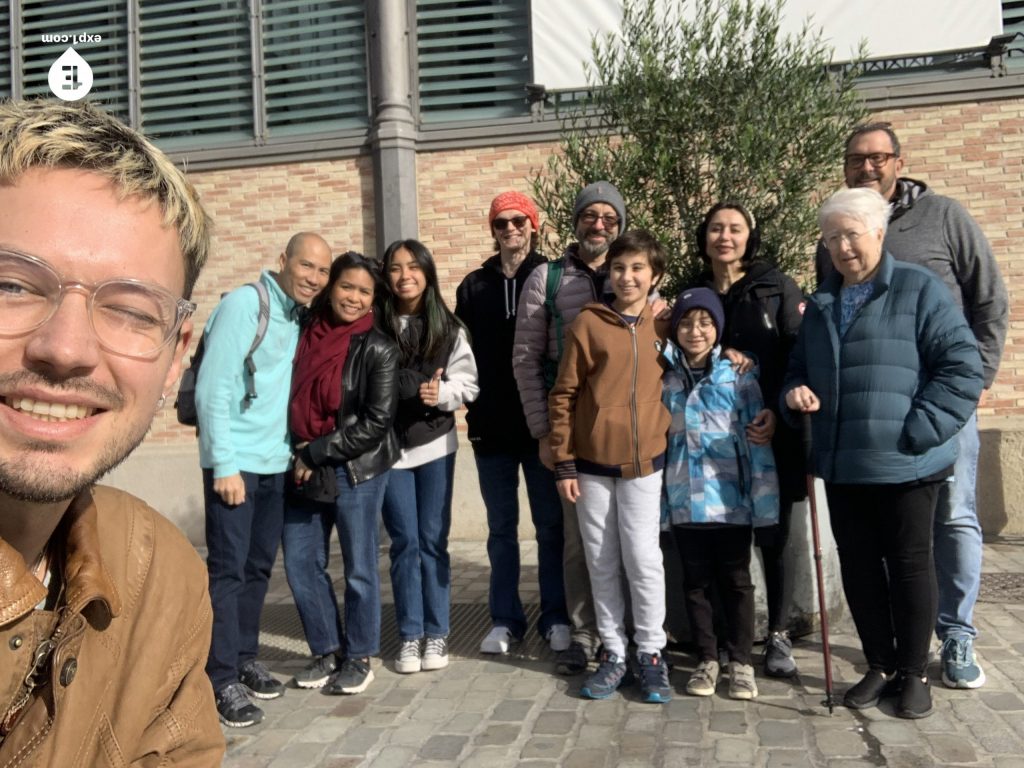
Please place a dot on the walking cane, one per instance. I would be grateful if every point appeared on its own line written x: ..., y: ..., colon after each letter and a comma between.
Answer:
x: 826, y: 650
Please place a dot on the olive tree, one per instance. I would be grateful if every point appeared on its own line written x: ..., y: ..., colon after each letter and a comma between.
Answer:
x: 686, y: 110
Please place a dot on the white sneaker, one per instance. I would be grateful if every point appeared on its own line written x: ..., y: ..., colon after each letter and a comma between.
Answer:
x: 559, y: 637
x: 408, y: 659
x: 435, y: 653
x: 497, y: 641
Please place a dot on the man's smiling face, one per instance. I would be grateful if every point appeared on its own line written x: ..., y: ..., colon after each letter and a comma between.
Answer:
x: 69, y: 409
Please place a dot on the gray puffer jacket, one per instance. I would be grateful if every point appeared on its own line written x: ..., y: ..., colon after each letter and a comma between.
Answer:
x: 536, y: 333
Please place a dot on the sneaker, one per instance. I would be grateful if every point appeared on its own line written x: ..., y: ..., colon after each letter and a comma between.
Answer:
x: 234, y: 707
x: 704, y: 679
x: 778, y: 655
x: 572, y: 660
x: 741, y: 681
x: 435, y: 653
x: 354, y: 676
x: 497, y: 641
x: 960, y: 668
x: 654, y: 688
x: 559, y: 637
x: 915, y: 699
x: 873, y: 686
x: 316, y: 673
x: 611, y: 673
x: 257, y: 678
x: 408, y: 659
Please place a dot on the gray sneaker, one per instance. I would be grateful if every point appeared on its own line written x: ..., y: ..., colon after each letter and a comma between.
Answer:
x: 741, y: 681
x: 257, y: 678
x: 778, y: 655
x: 704, y: 679
x: 317, y: 672
x: 354, y: 676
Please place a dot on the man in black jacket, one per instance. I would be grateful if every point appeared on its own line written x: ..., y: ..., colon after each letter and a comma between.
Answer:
x: 486, y: 302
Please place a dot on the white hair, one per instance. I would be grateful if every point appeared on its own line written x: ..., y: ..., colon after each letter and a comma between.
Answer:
x: 860, y: 203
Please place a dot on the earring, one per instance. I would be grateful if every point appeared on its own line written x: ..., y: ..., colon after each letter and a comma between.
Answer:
x: 160, y: 402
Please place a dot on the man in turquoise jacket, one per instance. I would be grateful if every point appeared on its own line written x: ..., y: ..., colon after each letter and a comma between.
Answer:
x: 244, y: 452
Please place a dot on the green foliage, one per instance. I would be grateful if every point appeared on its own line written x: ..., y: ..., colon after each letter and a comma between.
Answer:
x: 682, y: 114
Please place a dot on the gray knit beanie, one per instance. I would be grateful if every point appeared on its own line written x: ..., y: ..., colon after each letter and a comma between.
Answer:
x: 600, y: 192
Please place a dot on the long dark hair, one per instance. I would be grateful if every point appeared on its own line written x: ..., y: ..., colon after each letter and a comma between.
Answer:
x: 753, y: 239
x: 321, y: 305
x: 439, y: 322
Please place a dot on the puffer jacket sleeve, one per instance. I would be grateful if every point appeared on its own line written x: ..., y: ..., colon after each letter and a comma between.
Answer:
x: 530, y: 350
x: 764, y: 480
x: 572, y: 374
x: 365, y: 429
x: 952, y: 377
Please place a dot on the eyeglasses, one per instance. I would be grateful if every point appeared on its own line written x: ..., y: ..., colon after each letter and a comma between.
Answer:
x: 516, y: 221
x: 129, y: 317
x: 609, y: 220
x: 833, y: 241
x: 704, y: 325
x: 877, y: 159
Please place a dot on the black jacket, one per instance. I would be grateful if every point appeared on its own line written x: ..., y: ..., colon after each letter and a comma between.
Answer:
x: 487, y: 301
x: 364, y: 440
x: 763, y: 310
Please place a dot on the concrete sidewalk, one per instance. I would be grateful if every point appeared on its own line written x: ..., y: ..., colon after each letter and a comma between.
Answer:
x: 514, y: 711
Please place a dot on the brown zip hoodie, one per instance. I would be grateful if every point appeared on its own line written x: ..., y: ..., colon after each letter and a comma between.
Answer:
x: 605, y: 407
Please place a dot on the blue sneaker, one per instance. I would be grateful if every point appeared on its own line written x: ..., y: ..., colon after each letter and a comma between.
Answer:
x: 611, y: 673
x: 960, y: 669
x: 654, y: 687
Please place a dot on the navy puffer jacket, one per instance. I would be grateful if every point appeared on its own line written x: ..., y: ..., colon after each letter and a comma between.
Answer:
x: 896, y: 388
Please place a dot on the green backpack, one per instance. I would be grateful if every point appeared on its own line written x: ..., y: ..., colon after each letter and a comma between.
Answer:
x: 556, y: 269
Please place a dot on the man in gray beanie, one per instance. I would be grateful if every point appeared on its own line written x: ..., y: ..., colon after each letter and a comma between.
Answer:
x: 546, y: 307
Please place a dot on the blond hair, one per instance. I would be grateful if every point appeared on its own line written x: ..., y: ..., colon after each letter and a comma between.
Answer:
x: 51, y: 134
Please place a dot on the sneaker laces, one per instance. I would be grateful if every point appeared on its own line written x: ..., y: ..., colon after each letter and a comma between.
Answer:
x: 653, y: 670
x: 435, y: 646
x: 410, y: 649
x: 955, y: 650
x: 233, y: 695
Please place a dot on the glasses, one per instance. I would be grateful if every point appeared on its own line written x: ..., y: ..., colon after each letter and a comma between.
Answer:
x: 129, y: 317
x: 516, y: 221
x: 704, y: 325
x: 609, y: 220
x: 877, y: 159
x: 834, y: 240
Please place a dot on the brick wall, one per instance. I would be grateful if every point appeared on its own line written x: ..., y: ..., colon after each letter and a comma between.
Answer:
x: 973, y: 152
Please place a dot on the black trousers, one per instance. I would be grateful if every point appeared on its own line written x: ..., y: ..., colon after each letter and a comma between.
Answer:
x: 884, y: 536
x: 718, y: 557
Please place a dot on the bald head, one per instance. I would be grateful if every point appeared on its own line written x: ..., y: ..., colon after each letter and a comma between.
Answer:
x: 305, y: 265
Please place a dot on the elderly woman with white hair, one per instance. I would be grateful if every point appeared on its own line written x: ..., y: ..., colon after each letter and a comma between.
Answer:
x: 888, y: 369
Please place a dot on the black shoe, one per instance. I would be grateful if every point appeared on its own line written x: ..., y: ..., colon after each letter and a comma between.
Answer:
x: 571, y: 661
x: 317, y: 672
x: 872, y: 687
x: 234, y: 707
x: 354, y: 676
x: 257, y: 678
x: 915, y: 699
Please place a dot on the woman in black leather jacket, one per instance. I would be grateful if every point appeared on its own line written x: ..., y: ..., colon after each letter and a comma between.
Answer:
x: 763, y: 310
x: 343, y: 403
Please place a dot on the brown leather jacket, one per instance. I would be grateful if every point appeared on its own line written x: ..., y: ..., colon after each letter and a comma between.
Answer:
x: 125, y: 683
x: 606, y: 404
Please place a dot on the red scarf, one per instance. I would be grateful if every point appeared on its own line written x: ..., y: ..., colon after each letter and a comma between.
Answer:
x: 316, y: 380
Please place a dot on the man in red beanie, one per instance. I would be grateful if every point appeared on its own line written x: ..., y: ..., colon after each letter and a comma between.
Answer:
x: 487, y: 301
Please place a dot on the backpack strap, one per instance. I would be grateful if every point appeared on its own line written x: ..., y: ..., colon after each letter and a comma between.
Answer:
x: 556, y: 269
x: 262, y: 323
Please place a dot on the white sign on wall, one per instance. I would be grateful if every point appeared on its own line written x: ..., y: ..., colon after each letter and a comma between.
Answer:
x: 563, y: 29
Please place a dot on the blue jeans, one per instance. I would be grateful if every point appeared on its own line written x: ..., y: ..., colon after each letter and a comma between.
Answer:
x: 958, y: 543
x: 307, y: 532
x: 241, y: 544
x: 499, y: 486
x: 418, y: 517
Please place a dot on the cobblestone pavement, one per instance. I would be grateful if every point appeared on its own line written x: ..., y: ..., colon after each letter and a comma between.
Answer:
x: 514, y: 711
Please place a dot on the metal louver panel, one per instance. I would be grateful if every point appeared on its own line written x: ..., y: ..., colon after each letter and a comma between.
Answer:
x: 44, y: 25
x: 473, y: 58
x: 314, y: 62
x: 1013, y: 16
x: 196, y: 69
x: 5, y: 51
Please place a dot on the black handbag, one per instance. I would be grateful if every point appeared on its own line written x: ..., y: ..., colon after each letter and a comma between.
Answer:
x: 321, y: 486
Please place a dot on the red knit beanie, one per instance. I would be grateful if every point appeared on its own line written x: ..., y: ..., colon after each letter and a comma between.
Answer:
x: 513, y: 201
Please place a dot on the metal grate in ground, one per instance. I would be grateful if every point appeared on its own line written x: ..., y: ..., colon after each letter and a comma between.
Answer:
x: 282, y: 639
x: 1002, y: 588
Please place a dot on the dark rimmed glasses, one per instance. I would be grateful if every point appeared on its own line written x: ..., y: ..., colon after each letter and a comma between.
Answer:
x: 877, y: 159
x: 129, y: 317
x: 609, y: 220
x: 516, y: 221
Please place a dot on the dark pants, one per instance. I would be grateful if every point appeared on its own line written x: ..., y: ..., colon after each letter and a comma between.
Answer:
x: 771, y: 540
x: 718, y: 557
x: 241, y: 545
x: 884, y: 537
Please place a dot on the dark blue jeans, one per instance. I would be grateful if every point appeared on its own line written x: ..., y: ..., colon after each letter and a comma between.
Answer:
x: 499, y: 486
x: 241, y: 545
x: 418, y: 517
x: 307, y: 533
